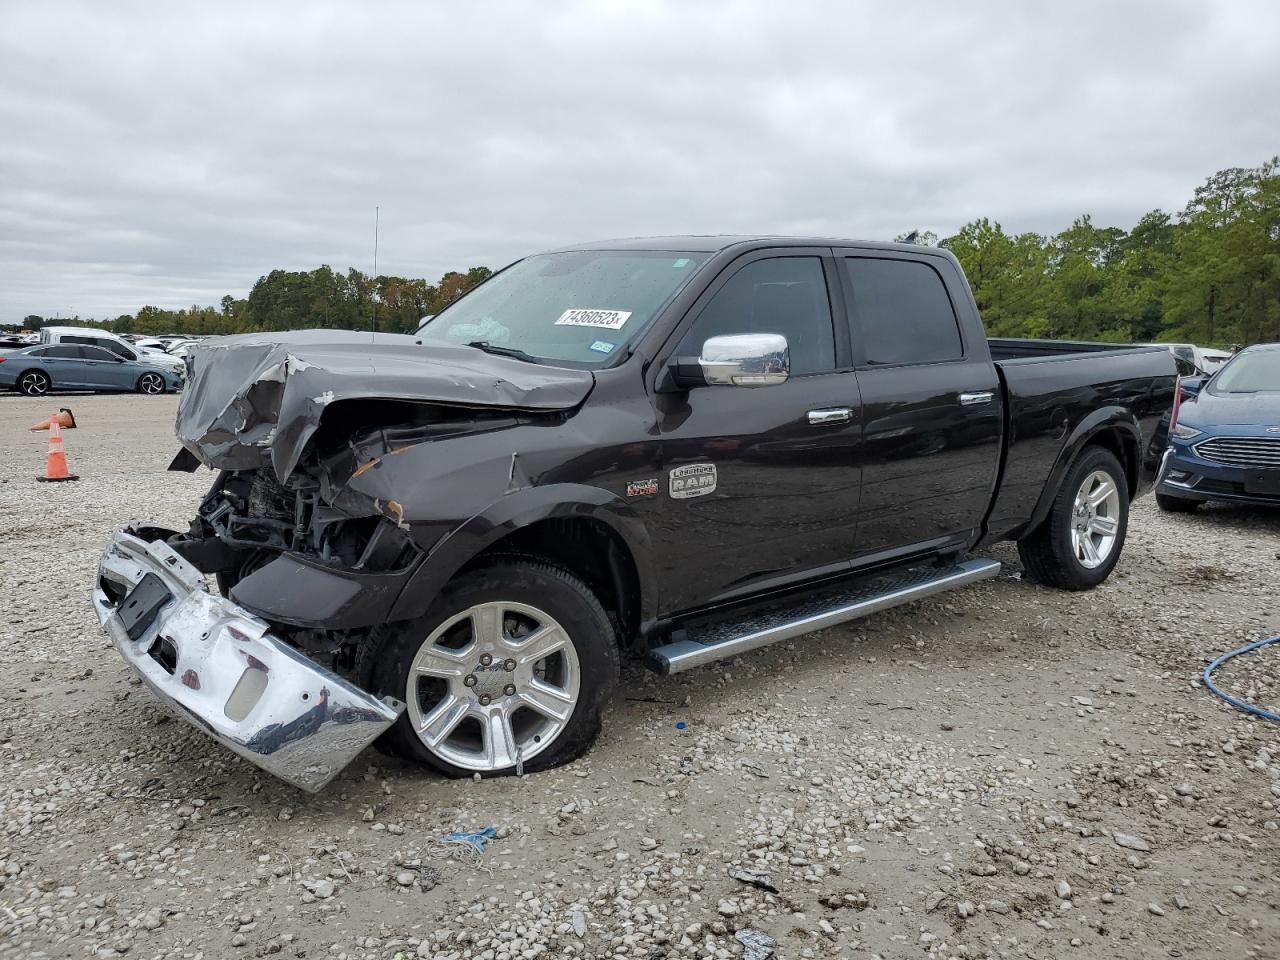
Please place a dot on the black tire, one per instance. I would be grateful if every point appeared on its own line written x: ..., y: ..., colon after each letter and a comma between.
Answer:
x: 1176, y: 504
x: 34, y: 383
x: 151, y: 384
x: 1047, y: 553
x: 386, y: 657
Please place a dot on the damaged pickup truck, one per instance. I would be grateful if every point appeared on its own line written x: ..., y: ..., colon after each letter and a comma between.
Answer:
x: 686, y: 447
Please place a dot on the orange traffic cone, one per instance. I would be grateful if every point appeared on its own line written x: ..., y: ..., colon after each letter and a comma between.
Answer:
x: 64, y: 416
x: 57, y: 467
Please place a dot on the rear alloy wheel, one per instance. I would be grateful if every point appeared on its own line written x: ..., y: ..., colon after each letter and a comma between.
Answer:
x: 1079, y: 542
x: 35, y: 383
x: 151, y: 383
x: 509, y: 671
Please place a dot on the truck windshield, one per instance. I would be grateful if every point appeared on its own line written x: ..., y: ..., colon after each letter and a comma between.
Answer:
x: 580, y: 308
x: 1250, y: 372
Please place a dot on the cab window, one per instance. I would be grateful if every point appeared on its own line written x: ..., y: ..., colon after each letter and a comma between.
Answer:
x: 901, y: 311
x: 785, y: 295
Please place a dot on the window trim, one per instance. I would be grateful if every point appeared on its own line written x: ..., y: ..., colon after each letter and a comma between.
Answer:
x: 855, y: 327
x: 835, y: 302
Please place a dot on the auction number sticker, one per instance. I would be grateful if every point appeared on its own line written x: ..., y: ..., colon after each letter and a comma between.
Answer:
x: 692, y: 480
x: 604, y: 319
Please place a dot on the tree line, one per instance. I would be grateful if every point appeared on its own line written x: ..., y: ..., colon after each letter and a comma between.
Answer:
x: 295, y: 299
x: 1209, y: 274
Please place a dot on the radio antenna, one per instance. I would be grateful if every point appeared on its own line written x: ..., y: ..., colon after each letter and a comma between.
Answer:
x: 376, y: 218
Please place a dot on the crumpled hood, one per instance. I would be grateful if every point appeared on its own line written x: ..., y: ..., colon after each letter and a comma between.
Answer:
x: 260, y: 391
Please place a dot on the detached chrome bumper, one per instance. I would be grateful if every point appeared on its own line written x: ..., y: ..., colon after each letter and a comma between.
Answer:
x: 214, y: 665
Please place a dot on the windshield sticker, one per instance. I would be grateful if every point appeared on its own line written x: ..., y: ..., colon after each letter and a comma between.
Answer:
x: 607, y: 319
x: 681, y: 263
x: 602, y: 346
x: 692, y: 480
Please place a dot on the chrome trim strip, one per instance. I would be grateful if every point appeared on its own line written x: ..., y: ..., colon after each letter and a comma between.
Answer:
x: 687, y: 654
x: 1235, y: 451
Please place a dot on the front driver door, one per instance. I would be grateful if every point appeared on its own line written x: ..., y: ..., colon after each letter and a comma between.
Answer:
x: 759, y: 485
x: 100, y: 368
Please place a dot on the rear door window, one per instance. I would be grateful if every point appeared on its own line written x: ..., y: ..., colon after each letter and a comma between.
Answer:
x: 62, y: 353
x: 901, y: 313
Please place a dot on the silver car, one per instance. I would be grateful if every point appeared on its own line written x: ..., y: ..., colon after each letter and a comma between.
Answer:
x: 36, y: 371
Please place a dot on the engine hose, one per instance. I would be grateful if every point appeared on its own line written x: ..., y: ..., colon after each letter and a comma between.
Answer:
x: 1239, y: 704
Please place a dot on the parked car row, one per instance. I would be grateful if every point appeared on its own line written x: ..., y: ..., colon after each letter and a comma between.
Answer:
x: 86, y: 358
x: 36, y: 371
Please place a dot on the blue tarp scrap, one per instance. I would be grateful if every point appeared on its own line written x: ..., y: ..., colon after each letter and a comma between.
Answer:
x: 475, y: 839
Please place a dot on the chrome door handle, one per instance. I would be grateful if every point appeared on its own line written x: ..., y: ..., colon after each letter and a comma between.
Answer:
x: 830, y: 415
x: 973, y: 399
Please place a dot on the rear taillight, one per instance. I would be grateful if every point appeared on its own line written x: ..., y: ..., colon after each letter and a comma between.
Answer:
x: 3, y: 359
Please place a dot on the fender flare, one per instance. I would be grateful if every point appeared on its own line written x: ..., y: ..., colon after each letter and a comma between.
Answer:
x: 1102, y: 420
x: 515, y: 511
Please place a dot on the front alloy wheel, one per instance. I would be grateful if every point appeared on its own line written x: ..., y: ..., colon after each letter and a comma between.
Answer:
x: 151, y: 383
x: 493, y: 686
x: 508, y: 671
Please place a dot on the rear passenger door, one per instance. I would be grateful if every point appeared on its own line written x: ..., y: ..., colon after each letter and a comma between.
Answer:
x: 931, y: 404
x: 64, y: 367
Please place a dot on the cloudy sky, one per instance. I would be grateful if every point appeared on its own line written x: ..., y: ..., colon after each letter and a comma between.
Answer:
x: 171, y: 153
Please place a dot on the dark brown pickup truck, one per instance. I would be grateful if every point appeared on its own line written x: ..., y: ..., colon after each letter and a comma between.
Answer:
x: 688, y: 447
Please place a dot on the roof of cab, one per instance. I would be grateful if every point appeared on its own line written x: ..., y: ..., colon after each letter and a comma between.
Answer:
x: 693, y: 243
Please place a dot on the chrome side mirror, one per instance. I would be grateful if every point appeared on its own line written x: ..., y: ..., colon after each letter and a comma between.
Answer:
x: 745, y: 360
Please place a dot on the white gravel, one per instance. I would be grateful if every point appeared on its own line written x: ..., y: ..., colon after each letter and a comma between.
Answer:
x: 1006, y: 771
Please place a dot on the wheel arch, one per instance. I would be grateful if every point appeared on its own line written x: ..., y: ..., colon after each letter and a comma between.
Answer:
x: 586, y: 530
x: 1116, y: 430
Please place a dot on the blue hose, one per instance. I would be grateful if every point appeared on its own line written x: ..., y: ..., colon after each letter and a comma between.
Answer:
x: 1239, y: 704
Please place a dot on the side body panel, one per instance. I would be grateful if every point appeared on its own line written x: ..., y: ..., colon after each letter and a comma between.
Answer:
x: 1058, y: 405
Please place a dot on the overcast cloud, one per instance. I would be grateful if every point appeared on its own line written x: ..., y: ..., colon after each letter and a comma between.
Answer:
x: 169, y: 154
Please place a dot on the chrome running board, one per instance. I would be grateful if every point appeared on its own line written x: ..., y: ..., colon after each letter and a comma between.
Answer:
x: 782, y: 621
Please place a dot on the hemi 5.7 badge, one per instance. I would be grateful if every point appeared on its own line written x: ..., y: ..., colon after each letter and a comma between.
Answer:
x: 642, y: 488
x: 692, y: 480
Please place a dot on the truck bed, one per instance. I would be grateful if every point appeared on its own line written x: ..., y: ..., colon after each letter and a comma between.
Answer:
x: 1054, y: 390
x: 1013, y: 349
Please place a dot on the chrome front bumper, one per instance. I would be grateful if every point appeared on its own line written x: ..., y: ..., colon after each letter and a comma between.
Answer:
x: 214, y: 665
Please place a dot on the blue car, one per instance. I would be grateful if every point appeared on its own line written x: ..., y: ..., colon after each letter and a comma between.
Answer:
x: 36, y: 371
x: 1224, y: 443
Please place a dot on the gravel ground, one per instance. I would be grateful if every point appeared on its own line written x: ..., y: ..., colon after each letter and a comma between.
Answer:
x: 1002, y: 771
